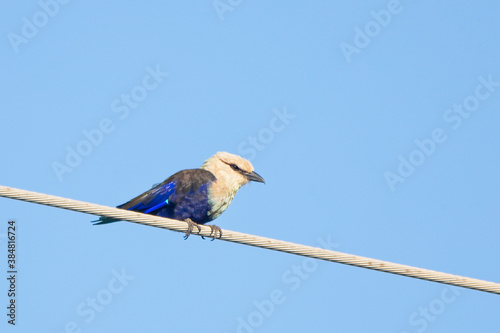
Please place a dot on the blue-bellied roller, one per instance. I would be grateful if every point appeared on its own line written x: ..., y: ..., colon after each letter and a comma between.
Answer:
x: 196, y: 196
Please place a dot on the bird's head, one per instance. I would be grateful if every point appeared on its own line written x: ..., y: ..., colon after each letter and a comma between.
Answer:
x: 234, y: 170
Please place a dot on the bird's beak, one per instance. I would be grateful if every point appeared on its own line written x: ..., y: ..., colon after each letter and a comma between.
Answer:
x: 254, y: 176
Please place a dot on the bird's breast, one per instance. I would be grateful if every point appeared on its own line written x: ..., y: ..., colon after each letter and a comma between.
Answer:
x: 220, y: 197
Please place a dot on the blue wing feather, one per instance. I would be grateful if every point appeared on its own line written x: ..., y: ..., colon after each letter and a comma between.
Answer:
x: 152, y: 200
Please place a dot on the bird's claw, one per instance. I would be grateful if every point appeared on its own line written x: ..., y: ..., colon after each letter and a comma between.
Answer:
x: 214, y: 230
x: 191, y: 225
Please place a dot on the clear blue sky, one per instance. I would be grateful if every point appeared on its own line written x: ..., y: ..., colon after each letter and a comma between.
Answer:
x: 374, y: 123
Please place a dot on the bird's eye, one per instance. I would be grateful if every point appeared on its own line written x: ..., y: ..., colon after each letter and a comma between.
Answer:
x: 235, y: 167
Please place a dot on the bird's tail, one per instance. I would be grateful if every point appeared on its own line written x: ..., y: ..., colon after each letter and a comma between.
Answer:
x: 104, y: 220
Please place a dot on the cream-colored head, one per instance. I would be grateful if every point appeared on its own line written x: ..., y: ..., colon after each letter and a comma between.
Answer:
x: 232, y: 170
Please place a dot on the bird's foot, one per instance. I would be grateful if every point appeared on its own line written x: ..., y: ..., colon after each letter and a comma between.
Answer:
x: 191, y: 225
x: 214, y: 231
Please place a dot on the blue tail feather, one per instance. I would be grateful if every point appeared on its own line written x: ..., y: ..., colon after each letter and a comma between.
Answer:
x: 104, y: 220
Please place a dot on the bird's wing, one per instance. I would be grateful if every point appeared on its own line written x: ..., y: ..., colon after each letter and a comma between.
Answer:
x: 154, y: 199
x: 183, y: 182
x: 189, y: 181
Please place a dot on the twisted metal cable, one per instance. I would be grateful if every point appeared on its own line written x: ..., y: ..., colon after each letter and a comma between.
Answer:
x: 257, y: 241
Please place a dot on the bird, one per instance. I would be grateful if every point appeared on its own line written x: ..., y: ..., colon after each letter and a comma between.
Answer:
x: 196, y: 196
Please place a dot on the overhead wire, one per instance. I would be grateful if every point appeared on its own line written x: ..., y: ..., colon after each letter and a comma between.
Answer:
x: 253, y: 240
